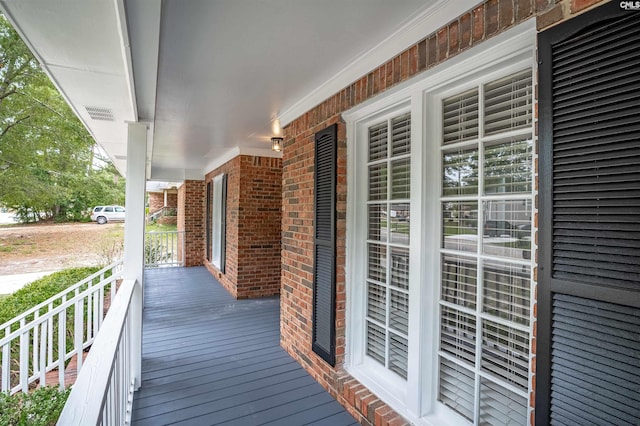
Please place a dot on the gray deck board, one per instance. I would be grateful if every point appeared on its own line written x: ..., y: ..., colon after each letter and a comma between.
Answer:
x: 208, y: 359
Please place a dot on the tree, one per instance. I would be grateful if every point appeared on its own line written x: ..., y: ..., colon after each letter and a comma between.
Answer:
x: 47, y: 166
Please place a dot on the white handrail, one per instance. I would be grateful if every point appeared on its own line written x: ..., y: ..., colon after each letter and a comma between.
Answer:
x: 34, y: 342
x: 103, y: 392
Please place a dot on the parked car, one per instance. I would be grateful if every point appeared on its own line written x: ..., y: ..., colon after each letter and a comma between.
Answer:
x: 104, y: 214
x: 498, y: 228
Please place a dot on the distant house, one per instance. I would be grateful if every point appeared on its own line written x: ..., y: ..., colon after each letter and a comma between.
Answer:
x: 453, y: 220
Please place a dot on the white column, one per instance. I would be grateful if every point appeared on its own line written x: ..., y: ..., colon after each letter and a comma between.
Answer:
x: 134, y: 236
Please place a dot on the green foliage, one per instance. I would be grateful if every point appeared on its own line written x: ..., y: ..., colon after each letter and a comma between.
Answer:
x: 42, y: 407
x: 48, y: 160
x: 155, y: 252
x: 40, y: 290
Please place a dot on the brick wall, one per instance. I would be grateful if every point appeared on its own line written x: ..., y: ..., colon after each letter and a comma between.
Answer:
x: 254, y: 199
x: 172, y: 198
x: 156, y: 201
x: 470, y: 29
x: 190, y: 203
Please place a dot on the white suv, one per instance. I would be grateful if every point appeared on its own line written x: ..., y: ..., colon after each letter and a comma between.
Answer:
x: 103, y: 214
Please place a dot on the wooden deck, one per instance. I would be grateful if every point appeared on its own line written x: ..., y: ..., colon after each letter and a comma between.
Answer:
x: 210, y: 359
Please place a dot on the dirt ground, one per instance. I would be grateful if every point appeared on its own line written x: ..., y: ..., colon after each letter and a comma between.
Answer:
x: 35, y: 248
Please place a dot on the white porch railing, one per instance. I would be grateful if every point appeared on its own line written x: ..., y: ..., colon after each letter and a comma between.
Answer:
x: 163, y: 248
x: 103, y: 392
x: 45, y: 337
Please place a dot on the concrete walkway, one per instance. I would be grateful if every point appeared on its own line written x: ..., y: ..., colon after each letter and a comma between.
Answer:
x: 12, y: 283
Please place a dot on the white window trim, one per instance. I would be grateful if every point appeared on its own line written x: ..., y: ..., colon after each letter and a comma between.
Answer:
x: 511, y: 50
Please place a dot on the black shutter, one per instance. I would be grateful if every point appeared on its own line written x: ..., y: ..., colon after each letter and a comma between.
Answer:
x: 324, y: 278
x: 223, y: 224
x: 208, y: 219
x: 588, y: 350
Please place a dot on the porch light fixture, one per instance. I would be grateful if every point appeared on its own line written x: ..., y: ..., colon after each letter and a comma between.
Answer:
x: 276, y: 144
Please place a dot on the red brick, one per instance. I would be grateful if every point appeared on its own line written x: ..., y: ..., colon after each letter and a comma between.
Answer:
x: 465, y: 31
x: 506, y: 11
x: 443, y: 43
x: 491, y: 16
x: 580, y: 5
x: 454, y: 37
x: 550, y: 17
x: 478, y: 24
x: 524, y: 9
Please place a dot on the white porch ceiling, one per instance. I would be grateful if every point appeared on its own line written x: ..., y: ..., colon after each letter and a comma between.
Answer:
x: 209, y: 76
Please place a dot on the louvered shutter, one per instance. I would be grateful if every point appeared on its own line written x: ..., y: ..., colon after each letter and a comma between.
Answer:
x: 223, y: 225
x: 324, y: 292
x: 589, y: 297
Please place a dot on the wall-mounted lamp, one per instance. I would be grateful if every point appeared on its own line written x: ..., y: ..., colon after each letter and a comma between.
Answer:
x: 276, y: 144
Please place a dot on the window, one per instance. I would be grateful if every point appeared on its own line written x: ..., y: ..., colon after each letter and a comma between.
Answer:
x: 485, y: 294
x: 219, y: 212
x: 389, y: 223
x: 439, y: 240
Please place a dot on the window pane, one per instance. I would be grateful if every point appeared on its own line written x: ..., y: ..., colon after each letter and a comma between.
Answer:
x: 377, y: 302
x: 508, y: 103
x: 507, y: 228
x: 459, y: 280
x: 400, y: 267
x: 460, y: 225
x: 376, y: 342
x: 401, y: 135
x: 378, y: 142
x: 399, y: 223
x: 457, y: 388
x: 398, y: 351
x: 505, y: 353
x: 460, y: 117
x: 377, y: 262
x: 377, y: 222
x: 499, y: 406
x: 378, y: 182
x: 401, y: 179
x: 399, y: 312
x: 507, y: 291
x: 460, y: 172
x: 458, y: 334
x: 507, y: 166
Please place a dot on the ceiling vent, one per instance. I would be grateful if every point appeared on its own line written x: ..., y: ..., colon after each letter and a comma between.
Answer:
x: 100, y: 113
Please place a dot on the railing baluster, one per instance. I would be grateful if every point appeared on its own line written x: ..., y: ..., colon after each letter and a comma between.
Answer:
x: 62, y: 346
x: 43, y: 352
x: 24, y: 358
x: 89, y: 317
x: 6, y: 363
x: 50, y: 341
x: 78, y: 332
x: 35, y: 346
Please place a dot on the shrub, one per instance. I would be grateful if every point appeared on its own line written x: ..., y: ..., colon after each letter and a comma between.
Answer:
x: 40, y: 290
x: 42, y: 407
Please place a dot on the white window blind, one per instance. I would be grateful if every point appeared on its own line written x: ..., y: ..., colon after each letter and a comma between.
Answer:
x: 388, y: 216
x: 460, y: 117
x: 485, y: 288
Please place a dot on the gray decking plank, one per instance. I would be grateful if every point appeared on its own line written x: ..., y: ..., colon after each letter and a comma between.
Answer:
x: 224, y: 404
x: 209, y: 359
